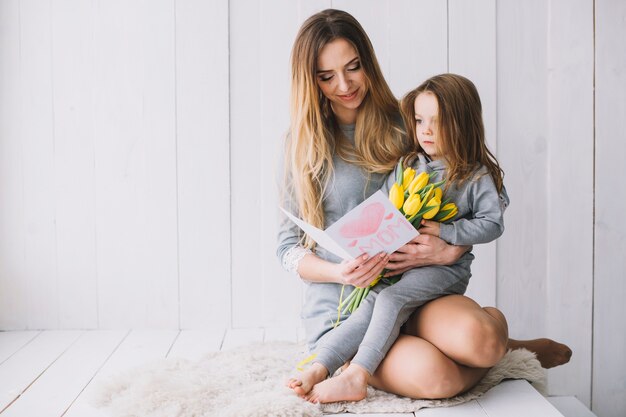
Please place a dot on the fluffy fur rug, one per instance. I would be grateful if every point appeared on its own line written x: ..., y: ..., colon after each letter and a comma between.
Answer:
x: 249, y: 382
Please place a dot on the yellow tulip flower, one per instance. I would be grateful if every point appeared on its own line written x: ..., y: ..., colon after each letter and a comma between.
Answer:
x: 409, y: 174
x: 433, y: 206
x: 438, y: 193
x: 447, y: 212
x: 412, y: 205
x: 396, y: 195
x: 418, y: 183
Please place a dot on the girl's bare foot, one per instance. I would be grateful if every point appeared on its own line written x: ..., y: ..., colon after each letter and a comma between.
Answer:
x: 350, y: 385
x: 314, y: 374
x: 549, y: 353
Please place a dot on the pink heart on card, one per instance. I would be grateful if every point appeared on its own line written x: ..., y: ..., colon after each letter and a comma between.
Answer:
x: 389, y: 216
x: 366, y: 224
x: 352, y: 244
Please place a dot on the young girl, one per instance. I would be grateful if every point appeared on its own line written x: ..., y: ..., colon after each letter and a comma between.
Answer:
x: 444, y: 119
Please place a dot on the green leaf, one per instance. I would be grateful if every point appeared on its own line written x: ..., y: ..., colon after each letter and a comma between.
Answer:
x: 399, y: 172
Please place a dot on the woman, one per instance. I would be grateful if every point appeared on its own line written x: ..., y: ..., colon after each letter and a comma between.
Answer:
x: 346, y: 133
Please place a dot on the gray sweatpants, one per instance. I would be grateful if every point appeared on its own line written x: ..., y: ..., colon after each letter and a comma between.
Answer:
x: 367, y: 335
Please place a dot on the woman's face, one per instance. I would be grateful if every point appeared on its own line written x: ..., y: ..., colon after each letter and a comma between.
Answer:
x: 341, y: 79
x: 426, y: 112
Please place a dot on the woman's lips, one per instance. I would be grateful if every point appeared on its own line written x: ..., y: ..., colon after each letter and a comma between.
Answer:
x: 348, y: 97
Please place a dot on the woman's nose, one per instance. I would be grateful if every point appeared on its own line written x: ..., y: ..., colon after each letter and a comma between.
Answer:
x: 344, y: 83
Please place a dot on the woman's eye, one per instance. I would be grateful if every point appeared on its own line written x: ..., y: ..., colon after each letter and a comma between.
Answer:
x: 418, y: 121
x: 326, y: 78
x: 356, y: 67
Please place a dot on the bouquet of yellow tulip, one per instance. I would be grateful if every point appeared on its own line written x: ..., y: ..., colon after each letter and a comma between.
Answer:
x: 416, y: 198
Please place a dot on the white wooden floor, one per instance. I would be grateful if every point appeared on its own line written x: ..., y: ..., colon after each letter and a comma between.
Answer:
x: 50, y: 373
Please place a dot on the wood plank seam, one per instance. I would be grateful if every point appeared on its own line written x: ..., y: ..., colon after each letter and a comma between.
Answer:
x: 97, y: 372
x: 42, y: 372
x: 22, y: 346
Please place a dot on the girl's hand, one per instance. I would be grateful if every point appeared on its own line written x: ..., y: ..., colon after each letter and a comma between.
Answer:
x: 361, y: 271
x: 423, y: 250
x: 429, y: 227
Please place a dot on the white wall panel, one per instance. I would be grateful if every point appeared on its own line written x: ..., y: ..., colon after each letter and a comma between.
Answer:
x: 36, y: 119
x: 74, y: 175
x: 418, y: 43
x: 522, y: 149
x: 13, y: 278
x: 280, y: 291
x: 570, y: 192
x: 609, y: 339
x: 203, y: 161
x: 472, y: 53
x: 135, y: 165
x: 246, y: 50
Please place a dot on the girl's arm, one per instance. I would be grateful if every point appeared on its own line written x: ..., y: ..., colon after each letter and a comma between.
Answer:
x: 485, y: 222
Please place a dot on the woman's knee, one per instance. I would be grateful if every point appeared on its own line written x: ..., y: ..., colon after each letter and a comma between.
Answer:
x: 486, y: 338
x: 435, y: 380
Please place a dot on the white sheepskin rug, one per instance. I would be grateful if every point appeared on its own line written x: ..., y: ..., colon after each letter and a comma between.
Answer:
x: 249, y: 382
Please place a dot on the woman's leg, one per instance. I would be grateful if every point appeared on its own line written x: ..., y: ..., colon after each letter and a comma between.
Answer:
x: 462, y: 330
x: 476, y: 336
x: 450, y: 345
x: 549, y: 353
x: 415, y: 368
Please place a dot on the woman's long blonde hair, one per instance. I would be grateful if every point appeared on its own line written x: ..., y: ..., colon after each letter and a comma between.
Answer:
x: 314, y: 134
x: 461, y: 133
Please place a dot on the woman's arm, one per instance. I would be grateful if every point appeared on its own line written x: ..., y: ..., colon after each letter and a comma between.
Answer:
x: 423, y: 250
x: 359, y: 272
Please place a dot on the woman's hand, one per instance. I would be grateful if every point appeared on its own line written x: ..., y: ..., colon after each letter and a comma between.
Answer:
x: 361, y: 271
x: 423, y: 250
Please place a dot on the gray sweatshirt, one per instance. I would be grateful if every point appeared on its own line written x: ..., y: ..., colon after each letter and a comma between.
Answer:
x: 481, y: 209
x: 349, y: 186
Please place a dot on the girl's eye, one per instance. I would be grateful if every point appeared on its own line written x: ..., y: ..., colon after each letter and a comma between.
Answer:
x: 418, y: 121
x: 326, y: 78
x: 356, y: 67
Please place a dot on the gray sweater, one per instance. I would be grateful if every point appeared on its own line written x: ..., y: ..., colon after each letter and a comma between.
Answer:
x: 481, y: 209
x: 349, y: 186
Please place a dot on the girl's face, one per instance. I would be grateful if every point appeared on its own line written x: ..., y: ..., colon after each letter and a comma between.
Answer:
x: 341, y: 79
x: 426, y: 113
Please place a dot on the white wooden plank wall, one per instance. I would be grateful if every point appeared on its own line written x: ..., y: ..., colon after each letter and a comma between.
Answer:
x: 570, y: 162
x: 522, y: 136
x: 203, y: 163
x: 138, y: 146
x: 609, y: 285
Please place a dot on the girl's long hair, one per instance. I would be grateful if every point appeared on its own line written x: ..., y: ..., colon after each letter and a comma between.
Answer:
x: 314, y: 134
x: 461, y: 133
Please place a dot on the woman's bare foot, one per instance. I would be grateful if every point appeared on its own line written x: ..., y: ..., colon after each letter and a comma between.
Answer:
x: 314, y: 374
x: 549, y: 353
x: 350, y: 385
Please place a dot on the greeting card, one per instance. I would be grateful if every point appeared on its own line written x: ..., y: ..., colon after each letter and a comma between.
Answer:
x: 373, y: 226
